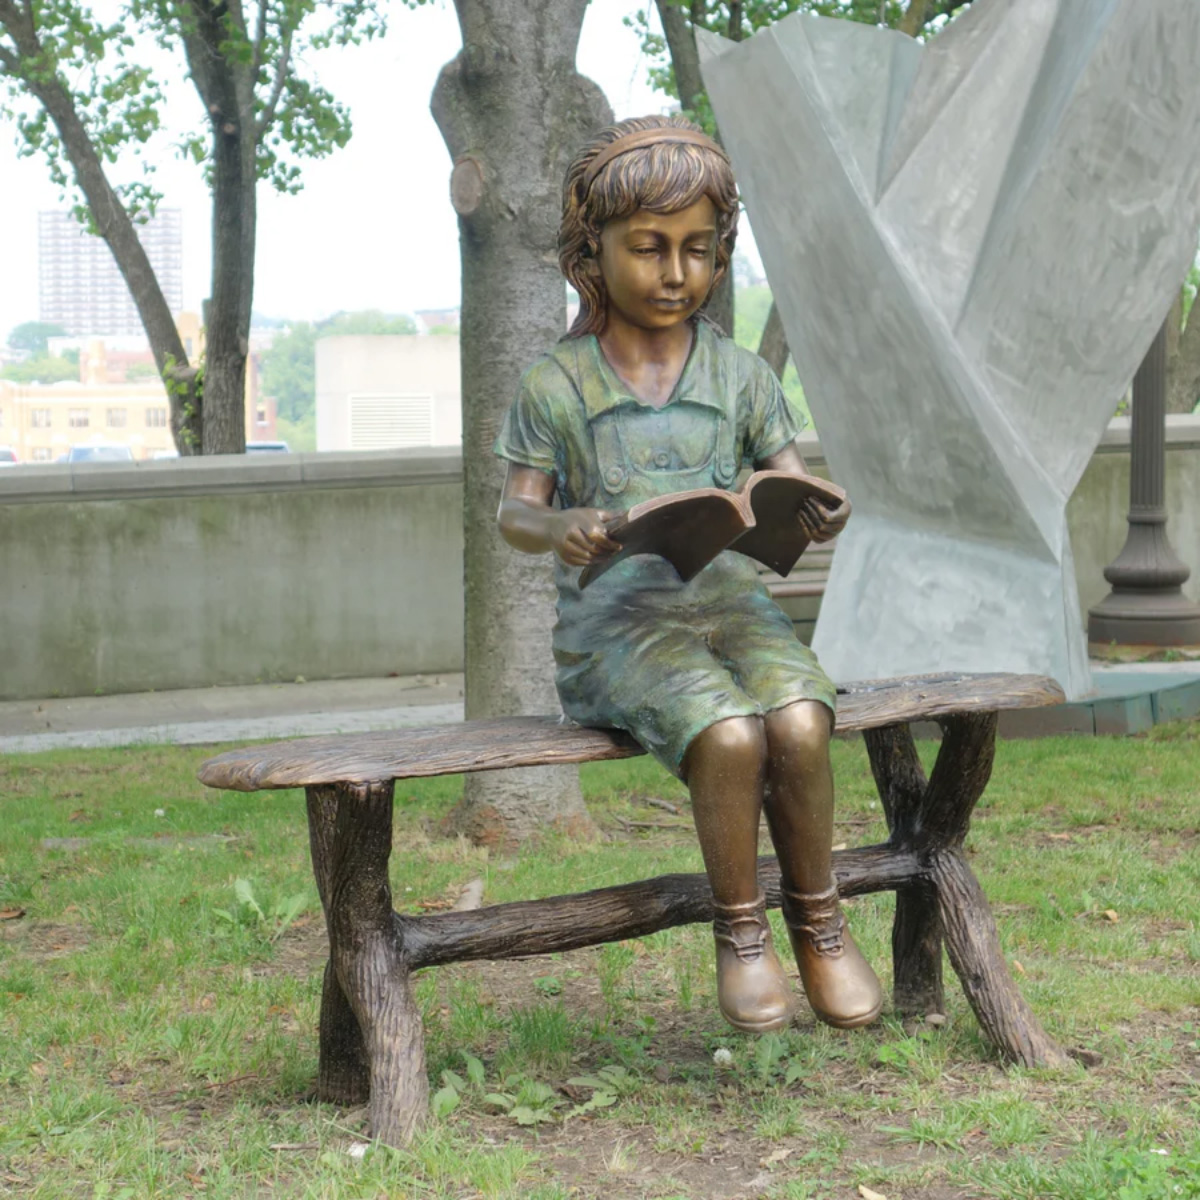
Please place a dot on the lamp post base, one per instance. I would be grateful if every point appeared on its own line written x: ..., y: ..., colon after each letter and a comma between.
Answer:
x: 1151, y: 619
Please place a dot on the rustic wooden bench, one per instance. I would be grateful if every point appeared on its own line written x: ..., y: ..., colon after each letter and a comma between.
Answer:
x: 371, y: 1040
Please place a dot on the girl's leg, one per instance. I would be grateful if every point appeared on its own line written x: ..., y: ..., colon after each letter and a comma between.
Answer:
x: 841, y: 986
x: 725, y: 770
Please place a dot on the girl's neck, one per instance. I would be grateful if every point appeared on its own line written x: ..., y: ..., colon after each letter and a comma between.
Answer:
x: 648, y: 361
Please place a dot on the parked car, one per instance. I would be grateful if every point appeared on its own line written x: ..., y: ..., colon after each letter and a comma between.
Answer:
x: 99, y: 452
x: 8, y: 457
x: 268, y: 448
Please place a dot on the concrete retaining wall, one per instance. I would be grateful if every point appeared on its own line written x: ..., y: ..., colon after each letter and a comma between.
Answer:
x: 228, y: 570
x: 188, y: 573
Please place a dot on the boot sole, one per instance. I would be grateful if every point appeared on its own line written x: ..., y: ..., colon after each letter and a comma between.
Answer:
x: 761, y: 1026
x: 853, y: 1022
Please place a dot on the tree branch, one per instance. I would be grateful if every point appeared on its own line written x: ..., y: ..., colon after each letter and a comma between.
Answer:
x: 735, y: 21
x: 281, y: 73
x: 17, y: 22
x: 685, y: 59
x: 260, y: 38
x: 914, y: 18
x: 773, y: 345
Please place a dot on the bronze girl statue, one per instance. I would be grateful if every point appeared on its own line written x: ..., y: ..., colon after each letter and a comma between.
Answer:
x: 645, y: 397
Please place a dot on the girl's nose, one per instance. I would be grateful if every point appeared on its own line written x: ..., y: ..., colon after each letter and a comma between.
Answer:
x: 673, y: 270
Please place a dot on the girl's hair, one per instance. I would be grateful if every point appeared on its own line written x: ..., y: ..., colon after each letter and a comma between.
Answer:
x: 663, y: 177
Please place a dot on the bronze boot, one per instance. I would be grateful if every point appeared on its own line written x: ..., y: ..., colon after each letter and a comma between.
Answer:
x: 839, y: 983
x: 752, y: 989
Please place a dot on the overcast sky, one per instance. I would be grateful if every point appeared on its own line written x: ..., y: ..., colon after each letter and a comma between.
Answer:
x: 373, y: 227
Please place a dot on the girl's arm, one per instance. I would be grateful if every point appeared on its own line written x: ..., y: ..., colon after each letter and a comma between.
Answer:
x: 820, y: 523
x: 528, y: 522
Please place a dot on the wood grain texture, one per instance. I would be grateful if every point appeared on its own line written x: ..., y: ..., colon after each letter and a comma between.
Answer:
x: 974, y: 949
x: 917, y: 987
x: 612, y: 914
x: 368, y: 955
x: 343, y: 1073
x: 504, y: 742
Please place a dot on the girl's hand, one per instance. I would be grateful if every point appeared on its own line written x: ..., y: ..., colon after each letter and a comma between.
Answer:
x: 578, y: 537
x: 822, y: 524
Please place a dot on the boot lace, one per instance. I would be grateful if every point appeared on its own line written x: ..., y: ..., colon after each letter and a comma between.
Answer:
x: 745, y: 934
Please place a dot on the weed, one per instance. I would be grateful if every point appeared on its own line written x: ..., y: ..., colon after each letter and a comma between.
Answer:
x: 272, y: 922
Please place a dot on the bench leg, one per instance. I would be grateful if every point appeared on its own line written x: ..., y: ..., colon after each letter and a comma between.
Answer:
x: 931, y: 819
x: 974, y: 948
x: 373, y: 1046
x: 916, y: 930
x: 343, y: 1074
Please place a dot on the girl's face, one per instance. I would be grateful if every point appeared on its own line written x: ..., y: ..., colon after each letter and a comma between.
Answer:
x: 658, y: 267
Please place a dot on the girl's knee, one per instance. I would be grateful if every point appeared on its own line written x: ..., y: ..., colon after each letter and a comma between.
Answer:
x: 737, y: 742
x: 803, y: 728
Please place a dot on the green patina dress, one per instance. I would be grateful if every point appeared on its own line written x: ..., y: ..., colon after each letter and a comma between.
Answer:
x: 639, y: 649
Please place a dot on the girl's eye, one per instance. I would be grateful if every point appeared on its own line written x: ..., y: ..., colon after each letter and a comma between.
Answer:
x: 700, y: 251
x: 646, y: 251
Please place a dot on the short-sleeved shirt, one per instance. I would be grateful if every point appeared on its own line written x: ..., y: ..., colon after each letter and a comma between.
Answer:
x: 638, y: 649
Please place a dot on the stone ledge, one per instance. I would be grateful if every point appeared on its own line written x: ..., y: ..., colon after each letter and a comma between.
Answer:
x: 224, y: 473
x: 1182, y: 433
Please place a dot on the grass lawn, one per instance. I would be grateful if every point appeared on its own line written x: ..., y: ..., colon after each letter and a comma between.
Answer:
x: 161, y: 949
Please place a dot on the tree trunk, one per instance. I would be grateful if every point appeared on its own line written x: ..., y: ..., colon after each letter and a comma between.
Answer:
x: 1183, y: 361
x: 685, y: 63
x: 773, y: 345
x: 512, y: 110
x: 227, y: 326
x: 226, y: 87
x: 115, y: 226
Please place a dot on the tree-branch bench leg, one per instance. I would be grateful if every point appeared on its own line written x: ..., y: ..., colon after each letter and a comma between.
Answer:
x: 343, y: 1074
x: 917, y: 988
x: 932, y: 819
x: 373, y: 1045
x: 972, y: 942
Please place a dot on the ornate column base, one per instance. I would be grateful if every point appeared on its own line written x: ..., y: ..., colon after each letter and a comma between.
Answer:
x: 1147, y: 606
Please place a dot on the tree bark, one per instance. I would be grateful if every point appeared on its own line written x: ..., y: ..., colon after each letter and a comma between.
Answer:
x: 114, y: 224
x: 1183, y: 361
x: 685, y: 63
x: 207, y: 414
x: 773, y: 345
x: 227, y: 89
x: 913, y: 20
x: 512, y: 110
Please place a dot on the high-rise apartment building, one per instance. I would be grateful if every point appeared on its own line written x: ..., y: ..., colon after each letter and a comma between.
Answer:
x: 79, y: 286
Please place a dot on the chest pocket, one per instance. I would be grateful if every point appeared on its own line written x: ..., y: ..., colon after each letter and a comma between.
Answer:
x: 670, y: 449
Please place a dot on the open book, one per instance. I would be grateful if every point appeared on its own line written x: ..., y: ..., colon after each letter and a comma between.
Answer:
x: 689, y: 529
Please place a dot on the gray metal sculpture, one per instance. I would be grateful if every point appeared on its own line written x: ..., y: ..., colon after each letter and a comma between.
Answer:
x: 972, y: 243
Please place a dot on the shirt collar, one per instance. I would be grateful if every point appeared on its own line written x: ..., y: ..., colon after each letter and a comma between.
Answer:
x: 602, y: 388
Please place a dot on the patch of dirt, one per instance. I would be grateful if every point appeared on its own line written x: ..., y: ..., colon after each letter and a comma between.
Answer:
x: 44, y: 940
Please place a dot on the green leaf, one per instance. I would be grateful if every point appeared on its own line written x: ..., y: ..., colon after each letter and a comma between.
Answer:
x: 524, y: 1115
x: 536, y: 1092
x: 453, y: 1080
x: 499, y: 1100
x: 474, y: 1068
x: 444, y: 1102
x: 244, y: 891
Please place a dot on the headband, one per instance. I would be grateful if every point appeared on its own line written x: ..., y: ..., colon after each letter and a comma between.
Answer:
x: 647, y: 137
